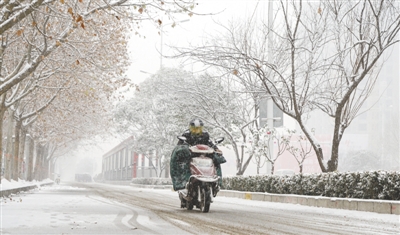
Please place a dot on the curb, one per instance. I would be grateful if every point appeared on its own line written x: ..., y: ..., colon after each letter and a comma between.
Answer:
x: 378, y: 206
x: 8, y: 192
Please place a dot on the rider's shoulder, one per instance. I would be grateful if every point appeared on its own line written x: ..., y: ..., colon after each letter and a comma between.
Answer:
x: 205, y: 133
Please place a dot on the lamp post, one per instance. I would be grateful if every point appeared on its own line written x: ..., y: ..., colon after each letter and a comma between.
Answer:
x: 270, y: 110
x: 161, y: 34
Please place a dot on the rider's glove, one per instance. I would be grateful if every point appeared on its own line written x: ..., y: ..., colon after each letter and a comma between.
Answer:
x: 219, y: 152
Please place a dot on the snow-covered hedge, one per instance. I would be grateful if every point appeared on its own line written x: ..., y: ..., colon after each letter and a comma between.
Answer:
x: 367, y: 185
x: 152, y: 181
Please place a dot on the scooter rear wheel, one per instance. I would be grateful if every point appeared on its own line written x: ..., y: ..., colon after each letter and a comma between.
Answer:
x: 204, y: 198
x: 189, y: 205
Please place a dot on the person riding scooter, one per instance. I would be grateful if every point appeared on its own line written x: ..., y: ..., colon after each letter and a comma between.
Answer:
x: 196, y: 135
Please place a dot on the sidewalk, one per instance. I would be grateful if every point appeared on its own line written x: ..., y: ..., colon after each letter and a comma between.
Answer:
x: 7, y: 188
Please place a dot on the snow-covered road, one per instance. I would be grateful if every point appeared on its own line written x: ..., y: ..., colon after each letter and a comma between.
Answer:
x: 66, y: 209
x: 111, y: 209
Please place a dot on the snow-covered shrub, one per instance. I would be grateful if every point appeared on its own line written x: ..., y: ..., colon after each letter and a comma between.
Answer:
x: 334, y: 185
x: 319, y: 187
x: 234, y: 183
x: 368, y: 185
x: 295, y: 184
x: 267, y: 183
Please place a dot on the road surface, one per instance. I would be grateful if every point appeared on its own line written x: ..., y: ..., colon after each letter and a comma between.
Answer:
x: 92, y: 208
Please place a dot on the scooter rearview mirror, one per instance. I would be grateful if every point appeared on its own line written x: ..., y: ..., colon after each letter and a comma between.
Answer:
x: 183, y: 138
x: 219, y: 140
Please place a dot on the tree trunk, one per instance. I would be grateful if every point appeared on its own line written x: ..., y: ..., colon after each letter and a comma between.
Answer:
x: 333, y: 162
x: 30, y: 159
x: 46, y: 162
x: 38, y: 162
x: 51, y: 167
x: 9, y: 147
x: 239, y: 162
x: 21, y: 154
x: 316, y: 146
x: 337, y: 136
x: 45, y: 172
x: 43, y: 167
x: 16, y: 163
x: 242, y: 166
x: 272, y: 167
x: 167, y: 167
x: 2, y: 151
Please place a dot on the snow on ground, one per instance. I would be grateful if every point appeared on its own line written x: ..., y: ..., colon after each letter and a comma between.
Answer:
x: 5, y: 184
x: 65, y: 209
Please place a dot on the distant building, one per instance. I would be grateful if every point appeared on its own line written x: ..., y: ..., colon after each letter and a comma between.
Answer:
x: 124, y: 162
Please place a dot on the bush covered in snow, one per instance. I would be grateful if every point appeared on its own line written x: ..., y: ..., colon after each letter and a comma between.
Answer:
x: 366, y: 185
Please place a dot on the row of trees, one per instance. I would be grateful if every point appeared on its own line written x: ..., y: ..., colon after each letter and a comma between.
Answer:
x: 61, y: 63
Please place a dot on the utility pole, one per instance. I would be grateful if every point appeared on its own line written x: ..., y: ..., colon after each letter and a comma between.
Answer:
x: 270, y: 103
x: 161, y: 39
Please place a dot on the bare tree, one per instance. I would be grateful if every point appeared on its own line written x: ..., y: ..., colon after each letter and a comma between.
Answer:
x: 300, y: 150
x: 325, y: 56
x: 261, y: 149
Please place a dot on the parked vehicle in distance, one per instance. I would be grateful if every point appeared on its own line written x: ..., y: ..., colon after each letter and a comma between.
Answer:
x: 85, y: 177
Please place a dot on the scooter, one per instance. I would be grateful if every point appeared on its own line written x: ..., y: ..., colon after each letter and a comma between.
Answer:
x: 203, y: 182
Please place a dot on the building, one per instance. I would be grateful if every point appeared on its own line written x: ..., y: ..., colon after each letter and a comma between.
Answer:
x: 124, y: 163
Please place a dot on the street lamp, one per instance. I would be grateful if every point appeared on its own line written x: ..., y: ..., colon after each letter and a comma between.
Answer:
x: 161, y: 34
x: 270, y: 110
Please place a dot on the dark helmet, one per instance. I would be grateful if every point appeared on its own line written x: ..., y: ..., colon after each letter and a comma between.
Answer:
x: 196, y: 123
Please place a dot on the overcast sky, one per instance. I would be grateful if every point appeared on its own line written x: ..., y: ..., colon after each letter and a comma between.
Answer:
x: 145, y: 51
